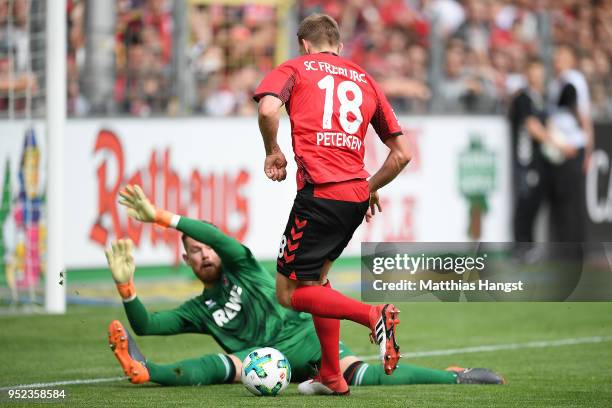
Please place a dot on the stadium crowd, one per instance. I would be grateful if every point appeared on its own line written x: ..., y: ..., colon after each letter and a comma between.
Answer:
x: 232, y: 47
x: 450, y: 56
x: 486, y: 44
x: 18, y: 84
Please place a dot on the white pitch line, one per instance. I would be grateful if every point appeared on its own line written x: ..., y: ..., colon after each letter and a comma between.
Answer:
x: 498, y: 347
x: 444, y: 352
x: 67, y: 382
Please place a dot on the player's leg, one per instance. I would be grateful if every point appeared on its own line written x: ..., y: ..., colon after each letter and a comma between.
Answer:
x: 317, y: 232
x: 208, y: 369
x: 357, y: 373
x: 327, y: 330
x: 303, y: 263
x: 328, y: 333
x: 204, y: 370
x: 324, y: 302
x: 302, y: 349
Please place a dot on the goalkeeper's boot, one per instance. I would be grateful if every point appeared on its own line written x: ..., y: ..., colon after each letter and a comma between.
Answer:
x: 335, y: 385
x: 129, y: 356
x: 476, y: 376
x: 383, y: 322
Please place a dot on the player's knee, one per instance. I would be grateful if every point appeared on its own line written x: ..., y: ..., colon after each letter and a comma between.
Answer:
x: 284, y: 300
x: 283, y: 295
x: 284, y: 290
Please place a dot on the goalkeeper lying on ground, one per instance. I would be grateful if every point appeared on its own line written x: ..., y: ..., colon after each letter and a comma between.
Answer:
x: 238, y: 308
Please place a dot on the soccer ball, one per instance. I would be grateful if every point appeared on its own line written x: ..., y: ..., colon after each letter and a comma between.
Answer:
x: 266, y: 371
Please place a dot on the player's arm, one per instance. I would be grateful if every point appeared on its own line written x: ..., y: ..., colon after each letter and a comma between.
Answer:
x: 389, y: 130
x: 399, y: 156
x: 268, y: 116
x: 229, y: 249
x: 122, y: 267
x: 166, y: 322
x: 140, y: 208
x: 274, y: 91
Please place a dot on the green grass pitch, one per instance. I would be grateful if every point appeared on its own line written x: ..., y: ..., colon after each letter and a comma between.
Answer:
x: 43, y: 348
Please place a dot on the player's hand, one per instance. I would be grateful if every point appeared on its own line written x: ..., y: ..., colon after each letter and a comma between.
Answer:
x: 275, y: 166
x: 374, y: 204
x: 138, y: 205
x: 120, y: 260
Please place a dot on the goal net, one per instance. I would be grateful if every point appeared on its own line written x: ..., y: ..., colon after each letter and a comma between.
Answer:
x: 22, y: 178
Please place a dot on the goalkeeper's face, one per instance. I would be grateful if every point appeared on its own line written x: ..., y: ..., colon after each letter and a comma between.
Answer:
x: 203, y: 260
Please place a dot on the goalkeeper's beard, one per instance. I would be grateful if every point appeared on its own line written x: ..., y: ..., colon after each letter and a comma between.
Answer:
x: 208, y: 273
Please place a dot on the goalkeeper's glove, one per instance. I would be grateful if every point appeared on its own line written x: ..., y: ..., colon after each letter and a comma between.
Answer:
x: 140, y: 208
x: 121, y: 264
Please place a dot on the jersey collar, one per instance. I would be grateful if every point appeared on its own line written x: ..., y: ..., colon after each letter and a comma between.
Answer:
x: 328, y: 52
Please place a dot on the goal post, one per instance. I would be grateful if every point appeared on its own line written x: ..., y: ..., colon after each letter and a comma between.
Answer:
x: 55, y: 286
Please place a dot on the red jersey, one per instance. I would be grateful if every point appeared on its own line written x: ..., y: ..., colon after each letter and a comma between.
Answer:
x: 330, y: 102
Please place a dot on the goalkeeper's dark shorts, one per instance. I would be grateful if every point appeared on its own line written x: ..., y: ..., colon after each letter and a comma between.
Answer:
x: 321, y: 224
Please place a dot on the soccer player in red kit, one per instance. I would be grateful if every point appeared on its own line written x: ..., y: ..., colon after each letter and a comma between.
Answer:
x: 331, y: 102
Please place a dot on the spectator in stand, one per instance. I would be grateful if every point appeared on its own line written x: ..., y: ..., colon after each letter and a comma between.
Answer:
x: 497, y: 37
x: 232, y: 47
x: 144, y: 54
x: 464, y: 88
x: 476, y: 29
